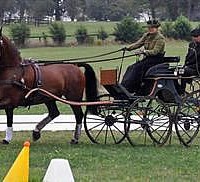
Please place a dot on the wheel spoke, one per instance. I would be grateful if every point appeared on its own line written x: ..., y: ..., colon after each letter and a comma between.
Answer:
x: 112, y: 134
x: 96, y: 126
x: 154, y: 121
x: 106, y: 135
x: 108, y: 126
x: 187, y: 123
x: 118, y: 130
x: 99, y: 131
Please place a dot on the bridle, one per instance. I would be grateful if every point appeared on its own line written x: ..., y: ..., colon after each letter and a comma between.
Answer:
x: 17, y: 70
x: 20, y: 68
x: 1, y: 43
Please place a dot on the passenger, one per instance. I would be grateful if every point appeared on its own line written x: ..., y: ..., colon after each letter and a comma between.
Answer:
x: 192, y: 60
x: 153, y: 43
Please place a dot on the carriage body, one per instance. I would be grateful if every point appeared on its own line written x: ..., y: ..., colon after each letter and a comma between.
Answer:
x: 153, y: 112
x: 158, y: 81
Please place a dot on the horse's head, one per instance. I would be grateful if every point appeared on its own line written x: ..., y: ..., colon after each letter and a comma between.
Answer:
x: 9, y: 54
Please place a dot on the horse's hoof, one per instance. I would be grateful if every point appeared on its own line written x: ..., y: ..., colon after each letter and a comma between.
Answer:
x: 36, y: 135
x: 73, y: 141
x: 5, y: 142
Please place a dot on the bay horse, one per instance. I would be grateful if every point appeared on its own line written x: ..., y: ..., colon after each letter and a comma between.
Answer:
x: 18, y: 76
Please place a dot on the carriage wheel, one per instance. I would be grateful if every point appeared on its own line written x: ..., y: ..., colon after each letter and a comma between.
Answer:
x: 188, y: 118
x: 148, y: 117
x: 108, y: 126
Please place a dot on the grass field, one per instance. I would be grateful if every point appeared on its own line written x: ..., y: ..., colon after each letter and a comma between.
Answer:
x: 71, y: 27
x: 91, y: 162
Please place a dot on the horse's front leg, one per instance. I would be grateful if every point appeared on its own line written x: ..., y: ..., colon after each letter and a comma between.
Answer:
x: 79, y: 117
x: 53, y: 113
x: 9, y: 130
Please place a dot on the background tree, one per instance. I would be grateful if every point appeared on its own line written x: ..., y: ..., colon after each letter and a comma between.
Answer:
x: 101, y: 9
x: 81, y: 35
x: 115, y: 12
x: 39, y: 8
x: 20, y: 33
x: 5, y: 7
x: 97, y: 9
x: 74, y: 8
x: 128, y: 30
x: 58, y: 9
x: 182, y: 28
x: 58, y: 33
x: 191, y: 8
x: 22, y: 6
x: 154, y: 5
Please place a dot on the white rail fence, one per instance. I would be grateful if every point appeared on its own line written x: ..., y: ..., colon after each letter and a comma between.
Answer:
x: 28, y: 122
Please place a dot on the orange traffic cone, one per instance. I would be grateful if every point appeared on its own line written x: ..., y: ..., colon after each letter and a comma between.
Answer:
x: 20, y: 168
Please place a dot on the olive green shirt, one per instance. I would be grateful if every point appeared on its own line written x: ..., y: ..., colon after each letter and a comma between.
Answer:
x: 154, y: 44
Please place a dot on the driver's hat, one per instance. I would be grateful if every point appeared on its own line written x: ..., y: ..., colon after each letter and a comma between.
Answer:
x: 153, y: 23
x: 195, y: 32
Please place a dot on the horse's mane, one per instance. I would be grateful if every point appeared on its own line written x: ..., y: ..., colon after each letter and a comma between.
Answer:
x: 11, y: 48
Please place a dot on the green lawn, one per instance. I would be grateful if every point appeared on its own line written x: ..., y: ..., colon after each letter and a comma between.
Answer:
x: 91, y: 162
x: 173, y: 48
x: 70, y: 28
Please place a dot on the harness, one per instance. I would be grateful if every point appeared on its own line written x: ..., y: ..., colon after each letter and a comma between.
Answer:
x: 38, y: 75
x: 21, y: 82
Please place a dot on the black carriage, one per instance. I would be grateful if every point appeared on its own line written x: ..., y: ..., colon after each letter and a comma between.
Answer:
x: 153, y: 112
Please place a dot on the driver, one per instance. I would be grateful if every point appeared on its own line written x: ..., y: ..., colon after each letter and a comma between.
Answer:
x: 153, y: 43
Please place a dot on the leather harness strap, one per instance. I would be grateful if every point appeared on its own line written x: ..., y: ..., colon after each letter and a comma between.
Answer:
x: 38, y: 75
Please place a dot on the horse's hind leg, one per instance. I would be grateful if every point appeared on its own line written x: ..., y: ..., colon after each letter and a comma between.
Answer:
x: 79, y: 117
x: 53, y: 113
x: 9, y: 130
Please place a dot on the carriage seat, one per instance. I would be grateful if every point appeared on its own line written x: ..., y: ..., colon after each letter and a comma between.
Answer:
x: 160, y: 70
x: 163, y: 69
x: 172, y: 59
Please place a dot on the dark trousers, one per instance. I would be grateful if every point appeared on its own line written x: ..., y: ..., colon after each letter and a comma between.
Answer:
x: 132, y: 78
x: 188, y: 71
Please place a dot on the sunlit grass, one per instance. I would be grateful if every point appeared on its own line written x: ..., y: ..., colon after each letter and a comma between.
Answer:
x: 91, y: 162
x: 70, y: 27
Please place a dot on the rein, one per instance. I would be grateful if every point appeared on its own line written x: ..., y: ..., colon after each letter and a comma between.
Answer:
x: 18, y: 83
x: 13, y: 82
x: 65, y: 61
x: 82, y: 58
x: 77, y: 60
x: 72, y: 61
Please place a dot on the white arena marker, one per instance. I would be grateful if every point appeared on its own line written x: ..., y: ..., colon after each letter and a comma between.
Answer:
x: 59, y: 171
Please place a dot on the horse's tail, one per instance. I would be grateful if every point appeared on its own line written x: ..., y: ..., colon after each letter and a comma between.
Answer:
x: 91, y: 90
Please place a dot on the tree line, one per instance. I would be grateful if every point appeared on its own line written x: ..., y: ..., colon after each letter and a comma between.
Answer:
x: 113, y: 10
